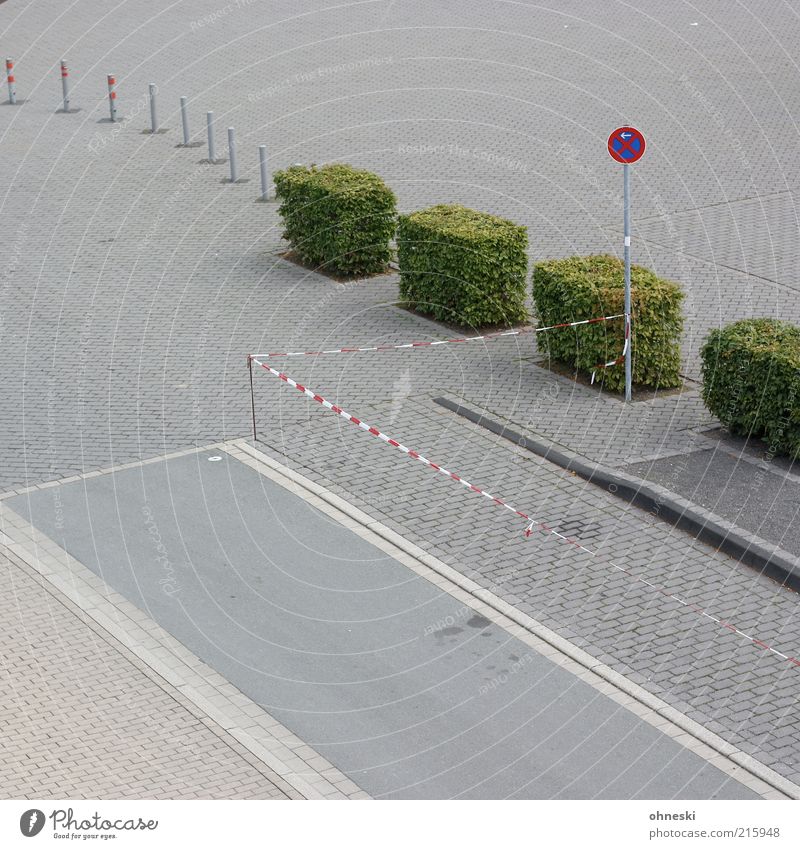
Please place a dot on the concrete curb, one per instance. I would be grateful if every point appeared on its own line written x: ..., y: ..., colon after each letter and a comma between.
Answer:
x: 645, y: 704
x: 132, y: 632
x: 708, y: 527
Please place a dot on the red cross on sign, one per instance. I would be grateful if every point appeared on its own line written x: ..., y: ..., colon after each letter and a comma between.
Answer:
x: 626, y: 145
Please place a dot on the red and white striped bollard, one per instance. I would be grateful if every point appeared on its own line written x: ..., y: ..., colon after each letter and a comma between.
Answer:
x: 12, y: 83
x: 112, y: 96
x: 65, y: 84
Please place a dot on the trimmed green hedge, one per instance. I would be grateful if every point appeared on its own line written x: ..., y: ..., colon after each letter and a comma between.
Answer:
x: 751, y: 380
x: 337, y: 216
x: 462, y: 266
x: 578, y: 288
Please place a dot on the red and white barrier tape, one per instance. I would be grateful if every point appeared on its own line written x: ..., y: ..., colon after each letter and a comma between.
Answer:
x: 532, y: 522
x: 254, y: 358
x: 395, y: 444
x: 621, y: 358
x: 485, y: 337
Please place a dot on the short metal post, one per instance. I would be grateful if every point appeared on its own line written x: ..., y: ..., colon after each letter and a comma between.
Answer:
x: 185, y: 121
x: 232, y: 155
x: 112, y: 96
x: 153, y: 119
x: 65, y: 85
x: 210, y: 123
x: 12, y: 83
x: 252, y: 396
x: 262, y: 162
x: 626, y: 207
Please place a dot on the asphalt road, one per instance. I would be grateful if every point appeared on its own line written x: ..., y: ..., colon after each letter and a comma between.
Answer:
x: 391, y: 679
x: 739, y: 480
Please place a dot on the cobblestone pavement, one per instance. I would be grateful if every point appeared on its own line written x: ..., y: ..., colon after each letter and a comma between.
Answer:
x: 135, y: 280
x: 83, y: 719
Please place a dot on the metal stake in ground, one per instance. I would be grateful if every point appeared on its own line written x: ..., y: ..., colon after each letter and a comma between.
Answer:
x: 12, y: 83
x: 252, y: 396
x: 185, y: 121
x: 65, y: 85
x: 626, y: 217
x: 153, y: 120
x: 212, y: 157
x: 262, y: 163
x: 232, y: 155
x: 626, y: 145
x: 112, y: 96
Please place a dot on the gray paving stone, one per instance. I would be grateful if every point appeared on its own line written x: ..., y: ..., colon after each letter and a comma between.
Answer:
x: 95, y: 695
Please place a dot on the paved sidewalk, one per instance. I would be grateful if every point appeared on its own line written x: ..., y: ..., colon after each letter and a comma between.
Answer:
x: 132, y: 272
x: 101, y: 702
x: 82, y: 718
x: 134, y: 281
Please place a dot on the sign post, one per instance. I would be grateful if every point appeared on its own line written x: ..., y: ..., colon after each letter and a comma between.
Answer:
x: 626, y: 145
x: 626, y: 217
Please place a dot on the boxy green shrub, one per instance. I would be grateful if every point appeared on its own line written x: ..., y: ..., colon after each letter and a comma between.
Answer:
x: 578, y: 288
x: 751, y: 380
x: 462, y: 266
x: 337, y: 217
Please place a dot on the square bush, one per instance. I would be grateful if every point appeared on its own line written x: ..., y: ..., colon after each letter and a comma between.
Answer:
x: 578, y: 288
x: 751, y: 380
x: 337, y: 217
x: 462, y: 266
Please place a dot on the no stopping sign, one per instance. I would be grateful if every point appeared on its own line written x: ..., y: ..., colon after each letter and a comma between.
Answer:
x: 626, y: 145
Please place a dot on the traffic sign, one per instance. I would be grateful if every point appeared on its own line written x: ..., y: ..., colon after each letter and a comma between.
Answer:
x: 626, y: 145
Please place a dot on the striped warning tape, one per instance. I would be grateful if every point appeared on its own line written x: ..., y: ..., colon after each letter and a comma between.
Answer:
x: 395, y: 444
x: 258, y: 359
x: 532, y: 523
x: 430, y: 344
x: 621, y: 358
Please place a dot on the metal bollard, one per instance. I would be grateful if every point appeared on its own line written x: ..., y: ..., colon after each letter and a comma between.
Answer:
x: 210, y: 123
x: 153, y: 120
x: 232, y: 154
x: 185, y: 121
x: 12, y: 83
x: 112, y: 96
x: 65, y: 84
x: 262, y: 162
